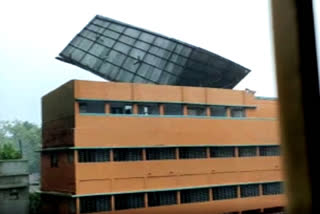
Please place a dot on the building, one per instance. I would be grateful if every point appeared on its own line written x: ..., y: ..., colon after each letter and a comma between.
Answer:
x: 142, y: 148
x: 14, y: 186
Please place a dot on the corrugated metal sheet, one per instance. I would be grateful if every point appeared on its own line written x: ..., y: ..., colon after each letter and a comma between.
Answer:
x: 123, y: 53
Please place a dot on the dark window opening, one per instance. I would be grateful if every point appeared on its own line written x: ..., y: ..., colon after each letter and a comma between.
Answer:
x: 226, y: 192
x: 129, y: 201
x: 54, y: 161
x: 94, y: 155
x: 121, y: 108
x: 95, y: 204
x: 272, y: 188
x: 196, y: 110
x: 257, y: 211
x: 218, y: 111
x: 238, y: 112
x: 127, y: 154
x: 222, y: 152
x: 161, y: 153
x: 250, y: 190
x: 14, y: 194
x: 149, y: 109
x: 194, y: 195
x: 247, y: 151
x: 92, y: 107
x: 269, y: 150
x: 192, y: 152
x: 173, y: 109
x: 162, y: 198
x: 273, y: 210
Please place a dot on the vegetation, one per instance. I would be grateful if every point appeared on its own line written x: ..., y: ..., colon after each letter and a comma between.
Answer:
x: 21, y: 139
x: 34, y: 203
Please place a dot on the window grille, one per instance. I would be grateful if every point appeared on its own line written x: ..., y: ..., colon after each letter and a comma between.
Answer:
x: 95, y: 204
x: 161, y: 153
x: 194, y: 195
x: 127, y: 154
x: 221, y: 152
x: 269, y: 150
x: 92, y: 107
x: 238, y: 112
x: 162, y: 198
x: 192, y: 152
x: 250, y: 190
x: 173, y: 109
x: 225, y: 192
x: 247, y: 151
x: 129, y: 201
x: 149, y: 109
x: 196, y: 110
x: 272, y: 188
x: 94, y: 155
x: 218, y: 111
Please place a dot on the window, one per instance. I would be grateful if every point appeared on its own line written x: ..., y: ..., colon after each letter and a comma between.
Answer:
x: 250, y: 190
x: 196, y: 110
x: 173, y: 109
x: 218, y: 111
x: 70, y: 156
x: 162, y: 198
x: 257, y: 211
x: 161, y: 153
x: 247, y: 151
x: 54, y: 160
x: 194, y: 195
x: 269, y: 151
x: 274, y: 210
x: 222, y: 152
x: 149, y: 109
x: 238, y: 112
x: 129, y: 201
x: 95, y: 204
x: 127, y: 154
x: 192, y: 152
x: 272, y: 188
x: 94, y: 155
x: 226, y: 192
x: 91, y: 107
x: 14, y: 194
x: 120, y: 108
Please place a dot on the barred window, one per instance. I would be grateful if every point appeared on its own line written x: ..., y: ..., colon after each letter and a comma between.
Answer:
x: 238, y: 112
x: 194, y: 195
x: 192, y: 152
x: 221, y: 152
x: 91, y: 107
x: 161, y: 153
x: 127, y: 154
x: 95, y: 204
x: 272, y: 188
x: 149, y: 109
x: 196, y: 110
x: 269, y: 150
x: 218, y: 111
x: 226, y: 192
x: 162, y: 198
x: 120, y: 108
x: 173, y: 109
x: 94, y: 155
x: 247, y: 151
x: 129, y: 201
x: 249, y: 190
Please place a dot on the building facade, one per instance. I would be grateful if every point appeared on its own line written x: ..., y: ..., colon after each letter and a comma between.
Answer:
x: 14, y: 186
x: 142, y: 148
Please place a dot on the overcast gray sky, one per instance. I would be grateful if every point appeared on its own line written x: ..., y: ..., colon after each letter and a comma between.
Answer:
x: 32, y: 33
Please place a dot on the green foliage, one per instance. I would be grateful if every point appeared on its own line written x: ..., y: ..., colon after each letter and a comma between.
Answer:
x: 29, y: 134
x: 34, y: 203
x: 7, y: 151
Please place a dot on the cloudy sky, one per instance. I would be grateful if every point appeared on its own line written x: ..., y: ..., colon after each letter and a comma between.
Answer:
x: 32, y: 34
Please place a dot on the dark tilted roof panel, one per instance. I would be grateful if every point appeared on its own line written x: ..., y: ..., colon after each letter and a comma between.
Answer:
x: 123, y: 53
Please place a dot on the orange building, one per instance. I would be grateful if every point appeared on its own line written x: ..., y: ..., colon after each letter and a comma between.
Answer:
x: 142, y: 148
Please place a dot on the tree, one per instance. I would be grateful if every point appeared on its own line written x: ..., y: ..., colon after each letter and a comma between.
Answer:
x: 7, y: 151
x: 29, y: 134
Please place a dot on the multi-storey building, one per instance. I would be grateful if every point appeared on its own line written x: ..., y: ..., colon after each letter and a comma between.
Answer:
x: 141, y: 148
